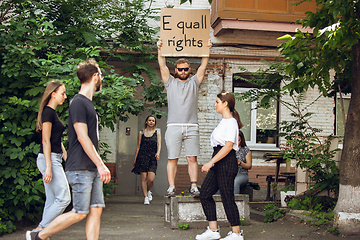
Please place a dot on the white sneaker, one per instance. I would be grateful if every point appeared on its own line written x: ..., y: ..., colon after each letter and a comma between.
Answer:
x: 171, y: 191
x: 149, y: 193
x: 209, y: 235
x: 146, y: 201
x: 195, y: 192
x: 234, y: 236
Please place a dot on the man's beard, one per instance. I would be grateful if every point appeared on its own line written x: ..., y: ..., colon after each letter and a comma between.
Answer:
x: 98, y: 86
x: 177, y: 75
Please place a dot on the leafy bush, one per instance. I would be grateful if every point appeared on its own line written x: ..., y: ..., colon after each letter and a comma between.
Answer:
x: 302, y: 141
x: 334, y: 230
x: 323, y: 218
x: 273, y: 213
x: 314, y: 203
x: 321, y: 208
x: 6, y: 227
x: 183, y: 226
x: 44, y: 40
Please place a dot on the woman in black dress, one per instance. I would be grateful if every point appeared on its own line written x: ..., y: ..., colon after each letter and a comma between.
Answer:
x: 146, y: 156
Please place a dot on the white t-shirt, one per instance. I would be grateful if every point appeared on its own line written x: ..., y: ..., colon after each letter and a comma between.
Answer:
x: 226, y: 131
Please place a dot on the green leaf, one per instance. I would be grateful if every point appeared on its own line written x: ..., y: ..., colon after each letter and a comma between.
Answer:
x: 35, y: 91
x: 300, y: 65
x: 285, y: 37
x: 19, y: 214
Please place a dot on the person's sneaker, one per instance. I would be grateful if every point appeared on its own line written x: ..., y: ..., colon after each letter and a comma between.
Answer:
x: 171, y: 191
x: 234, y: 236
x: 149, y: 193
x: 146, y: 201
x: 195, y: 192
x: 209, y: 235
x: 31, y: 235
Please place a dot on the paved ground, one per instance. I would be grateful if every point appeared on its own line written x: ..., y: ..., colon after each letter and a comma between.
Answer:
x: 128, y: 218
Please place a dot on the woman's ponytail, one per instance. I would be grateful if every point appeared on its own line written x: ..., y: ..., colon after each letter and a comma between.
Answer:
x: 230, y: 99
x: 237, y: 117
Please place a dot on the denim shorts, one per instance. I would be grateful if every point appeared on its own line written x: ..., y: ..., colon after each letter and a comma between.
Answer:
x: 87, y: 190
x: 176, y: 134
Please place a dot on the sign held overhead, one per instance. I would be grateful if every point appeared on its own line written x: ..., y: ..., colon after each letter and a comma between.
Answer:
x: 185, y: 32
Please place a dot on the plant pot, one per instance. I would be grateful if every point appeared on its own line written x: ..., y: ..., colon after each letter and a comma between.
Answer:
x: 283, y: 196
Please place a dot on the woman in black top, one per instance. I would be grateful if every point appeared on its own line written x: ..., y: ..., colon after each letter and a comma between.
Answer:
x: 146, y: 156
x: 52, y: 150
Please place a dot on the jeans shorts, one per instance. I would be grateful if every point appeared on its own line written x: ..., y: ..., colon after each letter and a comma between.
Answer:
x: 87, y: 190
x: 176, y: 134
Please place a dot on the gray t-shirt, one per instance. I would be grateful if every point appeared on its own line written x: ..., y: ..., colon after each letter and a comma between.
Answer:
x: 182, y: 97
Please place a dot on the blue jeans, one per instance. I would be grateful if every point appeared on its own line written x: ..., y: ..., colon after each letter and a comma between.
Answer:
x: 57, y: 191
x: 240, y: 181
x: 87, y: 190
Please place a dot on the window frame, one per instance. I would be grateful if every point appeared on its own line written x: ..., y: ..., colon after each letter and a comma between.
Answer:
x: 241, y: 84
x: 252, y: 144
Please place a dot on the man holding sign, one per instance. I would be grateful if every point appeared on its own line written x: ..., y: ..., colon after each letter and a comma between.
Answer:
x: 182, y: 123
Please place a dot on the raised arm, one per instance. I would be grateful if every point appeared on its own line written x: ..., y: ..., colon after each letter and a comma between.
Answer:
x: 204, y: 62
x: 164, y: 70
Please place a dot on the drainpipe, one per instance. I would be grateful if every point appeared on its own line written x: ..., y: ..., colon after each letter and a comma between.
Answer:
x: 223, y: 75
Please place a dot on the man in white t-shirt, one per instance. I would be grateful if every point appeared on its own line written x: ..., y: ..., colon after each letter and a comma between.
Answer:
x: 182, y: 124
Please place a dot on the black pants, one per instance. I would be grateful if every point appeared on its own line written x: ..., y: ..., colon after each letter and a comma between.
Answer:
x: 221, y: 177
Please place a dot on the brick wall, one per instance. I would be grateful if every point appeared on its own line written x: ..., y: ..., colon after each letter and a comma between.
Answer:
x: 218, y: 77
x: 182, y: 180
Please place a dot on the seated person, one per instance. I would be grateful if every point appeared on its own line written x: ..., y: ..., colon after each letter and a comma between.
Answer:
x: 244, y: 157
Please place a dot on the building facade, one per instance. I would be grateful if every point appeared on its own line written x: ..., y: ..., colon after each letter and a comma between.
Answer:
x: 243, y: 33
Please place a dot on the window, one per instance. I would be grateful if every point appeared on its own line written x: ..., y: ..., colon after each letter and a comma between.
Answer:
x: 259, y: 124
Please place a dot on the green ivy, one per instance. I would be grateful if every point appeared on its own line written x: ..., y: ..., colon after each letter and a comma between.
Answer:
x: 44, y: 40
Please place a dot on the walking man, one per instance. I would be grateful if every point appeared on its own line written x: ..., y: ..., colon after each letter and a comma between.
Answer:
x: 84, y: 168
x: 182, y: 123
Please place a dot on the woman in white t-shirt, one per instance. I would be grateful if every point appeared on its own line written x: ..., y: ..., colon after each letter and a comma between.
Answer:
x: 222, y: 169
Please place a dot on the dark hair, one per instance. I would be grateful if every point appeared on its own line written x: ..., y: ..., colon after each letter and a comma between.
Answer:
x: 182, y: 60
x: 242, y: 138
x: 145, y: 124
x: 86, y: 69
x: 230, y: 99
x: 51, y: 87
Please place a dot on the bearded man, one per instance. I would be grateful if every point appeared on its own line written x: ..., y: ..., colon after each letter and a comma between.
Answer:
x: 182, y: 123
x: 84, y: 168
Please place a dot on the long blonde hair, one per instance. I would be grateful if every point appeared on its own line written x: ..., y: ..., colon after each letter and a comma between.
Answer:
x: 50, y: 88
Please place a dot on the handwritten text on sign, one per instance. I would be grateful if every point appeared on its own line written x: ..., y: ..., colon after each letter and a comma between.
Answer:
x: 185, y: 32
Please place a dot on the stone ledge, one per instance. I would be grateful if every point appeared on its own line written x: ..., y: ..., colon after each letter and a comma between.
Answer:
x: 187, y: 209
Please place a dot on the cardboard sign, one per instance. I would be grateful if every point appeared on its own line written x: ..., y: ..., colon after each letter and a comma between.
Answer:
x: 185, y: 32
